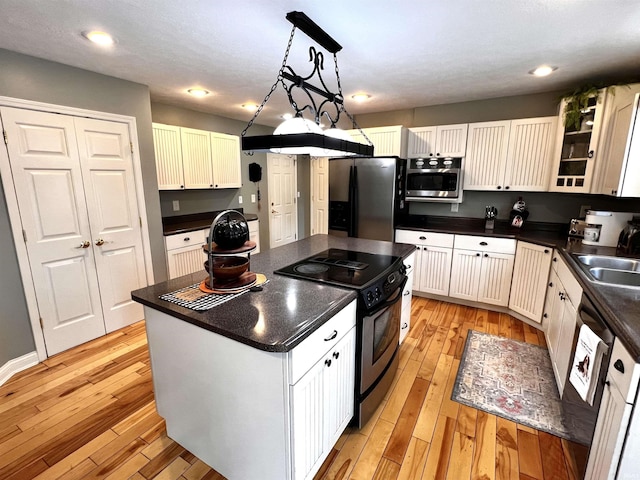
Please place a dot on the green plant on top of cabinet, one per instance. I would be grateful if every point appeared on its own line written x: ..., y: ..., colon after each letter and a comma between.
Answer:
x: 510, y: 154
x: 618, y: 169
x: 437, y: 141
x: 577, y: 146
x: 387, y: 141
x: 188, y: 158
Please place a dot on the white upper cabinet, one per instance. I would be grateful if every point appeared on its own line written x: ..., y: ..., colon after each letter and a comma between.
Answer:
x: 168, y: 150
x: 578, y: 149
x: 486, y: 155
x: 438, y: 141
x: 196, y: 158
x: 510, y: 154
x: 225, y: 153
x: 387, y: 141
x: 618, y: 169
x: 188, y: 158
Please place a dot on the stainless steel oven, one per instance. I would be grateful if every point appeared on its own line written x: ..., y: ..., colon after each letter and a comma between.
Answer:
x: 434, y: 179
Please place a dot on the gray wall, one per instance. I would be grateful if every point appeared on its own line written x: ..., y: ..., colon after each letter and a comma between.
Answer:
x: 198, y: 201
x: 40, y: 80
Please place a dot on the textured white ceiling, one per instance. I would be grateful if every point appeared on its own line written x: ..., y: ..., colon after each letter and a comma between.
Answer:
x: 404, y: 53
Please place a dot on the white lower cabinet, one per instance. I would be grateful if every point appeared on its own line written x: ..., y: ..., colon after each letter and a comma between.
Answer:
x: 529, y: 284
x: 322, y: 404
x: 563, y: 298
x: 184, y: 252
x: 616, y: 440
x: 482, y: 268
x: 405, y: 316
x: 254, y: 234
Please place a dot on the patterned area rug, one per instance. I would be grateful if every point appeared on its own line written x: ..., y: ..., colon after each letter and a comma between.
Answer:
x: 510, y: 379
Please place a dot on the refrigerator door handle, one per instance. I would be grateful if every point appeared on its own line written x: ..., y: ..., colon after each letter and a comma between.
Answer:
x: 353, y: 201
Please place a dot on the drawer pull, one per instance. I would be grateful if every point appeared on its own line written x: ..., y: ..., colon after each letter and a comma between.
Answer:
x: 422, y: 238
x: 333, y: 335
x: 484, y: 244
x: 618, y: 365
x: 186, y: 239
x: 407, y: 293
x: 546, y: 250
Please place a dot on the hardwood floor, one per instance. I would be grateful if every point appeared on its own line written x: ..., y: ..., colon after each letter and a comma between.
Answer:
x: 89, y: 413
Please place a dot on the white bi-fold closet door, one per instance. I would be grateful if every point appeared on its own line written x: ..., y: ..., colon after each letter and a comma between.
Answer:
x: 74, y: 184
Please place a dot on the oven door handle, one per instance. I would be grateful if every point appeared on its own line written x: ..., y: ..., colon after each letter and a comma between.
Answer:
x: 388, y: 303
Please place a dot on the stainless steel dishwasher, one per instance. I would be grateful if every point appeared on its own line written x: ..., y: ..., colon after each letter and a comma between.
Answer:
x: 579, y: 416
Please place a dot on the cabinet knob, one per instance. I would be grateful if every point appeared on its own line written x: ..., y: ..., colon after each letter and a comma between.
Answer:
x: 407, y: 293
x: 424, y: 248
x: 486, y: 255
x: 99, y: 242
x: 336, y: 355
x: 477, y: 254
x: 618, y: 365
x: 607, y: 383
x: 555, y: 259
x: 422, y: 237
x: 211, y: 185
x: 404, y: 325
x: 85, y: 244
x: 551, y: 284
x: 507, y: 187
x: 181, y: 186
x: 327, y: 362
x: 545, y: 315
x: 591, y: 154
x: 546, y: 250
x: 499, y: 187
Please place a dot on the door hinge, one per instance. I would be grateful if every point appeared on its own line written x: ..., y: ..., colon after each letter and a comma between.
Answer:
x: 41, y: 324
x: 131, y: 146
x: 24, y: 235
x: 6, y: 139
x: 140, y: 220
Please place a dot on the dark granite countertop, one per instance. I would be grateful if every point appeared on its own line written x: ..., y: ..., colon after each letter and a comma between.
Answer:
x: 195, y: 221
x: 287, y: 310
x: 620, y: 306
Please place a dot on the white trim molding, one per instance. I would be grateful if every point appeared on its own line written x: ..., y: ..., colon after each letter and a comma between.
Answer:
x: 16, y: 365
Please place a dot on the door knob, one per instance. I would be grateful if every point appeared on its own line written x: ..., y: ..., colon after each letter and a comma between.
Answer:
x: 99, y: 242
x: 85, y: 244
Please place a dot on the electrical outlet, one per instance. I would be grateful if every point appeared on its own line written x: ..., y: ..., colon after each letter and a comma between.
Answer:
x: 240, y: 199
x: 253, y: 198
x: 176, y: 205
x: 454, y: 207
x: 583, y: 210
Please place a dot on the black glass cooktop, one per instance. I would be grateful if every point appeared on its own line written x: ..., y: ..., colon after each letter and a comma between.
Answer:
x: 344, y: 268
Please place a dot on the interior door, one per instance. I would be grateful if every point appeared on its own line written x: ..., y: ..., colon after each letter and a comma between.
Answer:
x: 46, y: 171
x: 107, y: 170
x: 319, y: 195
x: 283, y: 213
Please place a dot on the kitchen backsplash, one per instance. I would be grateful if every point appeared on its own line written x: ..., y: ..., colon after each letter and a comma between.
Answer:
x: 542, y: 206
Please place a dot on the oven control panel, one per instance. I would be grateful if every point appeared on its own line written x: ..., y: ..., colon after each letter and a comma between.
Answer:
x: 383, y: 289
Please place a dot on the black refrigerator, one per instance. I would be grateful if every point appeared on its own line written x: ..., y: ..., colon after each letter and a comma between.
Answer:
x: 366, y: 196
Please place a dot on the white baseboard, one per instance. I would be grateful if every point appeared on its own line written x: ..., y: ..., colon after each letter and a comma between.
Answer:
x: 17, y: 365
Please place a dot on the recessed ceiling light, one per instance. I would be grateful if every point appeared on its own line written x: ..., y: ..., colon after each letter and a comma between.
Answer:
x: 198, y: 92
x: 543, y: 71
x: 252, y: 107
x: 101, y: 38
x: 361, y: 97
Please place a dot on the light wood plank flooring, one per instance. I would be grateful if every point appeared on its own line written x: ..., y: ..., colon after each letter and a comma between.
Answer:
x: 89, y: 413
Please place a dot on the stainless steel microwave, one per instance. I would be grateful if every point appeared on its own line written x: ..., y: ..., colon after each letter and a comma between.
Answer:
x: 436, y: 179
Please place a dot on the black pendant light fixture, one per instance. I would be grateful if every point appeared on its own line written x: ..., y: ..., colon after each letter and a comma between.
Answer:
x: 300, y: 135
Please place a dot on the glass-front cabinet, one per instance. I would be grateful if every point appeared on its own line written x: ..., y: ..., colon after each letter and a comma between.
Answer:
x: 577, y: 147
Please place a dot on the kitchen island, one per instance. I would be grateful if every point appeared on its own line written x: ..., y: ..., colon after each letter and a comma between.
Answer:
x: 243, y: 385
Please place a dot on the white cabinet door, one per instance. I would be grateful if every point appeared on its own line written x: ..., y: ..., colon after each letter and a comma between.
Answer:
x: 435, y: 270
x: 565, y: 340
x: 421, y: 142
x: 529, y: 284
x: 552, y: 313
x: 486, y: 155
x: 225, y: 158
x: 451, y: 140
x: 495, y: 278
x: 322, y: 404
x: 620, y: 118
x: 530, y: 154
x: 465, y: 274
x: 196, y: 158
x: 405, y: 316
x: 110, y: 191
x: 387, y: 141
x: 184, y: 253
x: 254, y: 234
x: 608, y: 437
x: 168, y: 151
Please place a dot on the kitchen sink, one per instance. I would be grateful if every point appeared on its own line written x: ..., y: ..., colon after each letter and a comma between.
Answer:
x: 611, y: 270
